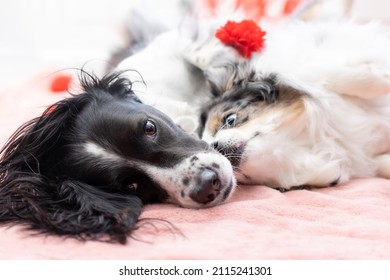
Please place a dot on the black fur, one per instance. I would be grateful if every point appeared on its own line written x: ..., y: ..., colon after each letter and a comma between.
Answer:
x: 49, y: 182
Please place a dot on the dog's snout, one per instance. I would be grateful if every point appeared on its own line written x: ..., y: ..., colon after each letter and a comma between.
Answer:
x: 232, y: 151
x: 220, y: 147
x: 204, y: 144
x: 208, y: 188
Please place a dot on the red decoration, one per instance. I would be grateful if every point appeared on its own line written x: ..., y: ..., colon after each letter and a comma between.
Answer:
x: 49, y: 110
x: 254, y: 9
x: 290, y: 6
x: 245, y: 36
x: 61, y: 83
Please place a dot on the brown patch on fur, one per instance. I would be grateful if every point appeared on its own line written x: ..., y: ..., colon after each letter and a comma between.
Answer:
x: 292, y: 103
x: 289, y: 106
x: 286, y: 104
x: 292, y: 113
x: 214, y: 122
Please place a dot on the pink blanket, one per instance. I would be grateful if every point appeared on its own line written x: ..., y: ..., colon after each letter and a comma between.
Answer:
x: 350, y: 221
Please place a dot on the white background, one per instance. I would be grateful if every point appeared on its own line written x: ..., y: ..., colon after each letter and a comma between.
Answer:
x: 44, y: 35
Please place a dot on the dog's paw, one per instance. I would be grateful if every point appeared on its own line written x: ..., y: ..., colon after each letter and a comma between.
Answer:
x: 365, y: 80
x: 201, y: 53
x: 210, y: 53
x: 383, y: 166
x: 375, y: 80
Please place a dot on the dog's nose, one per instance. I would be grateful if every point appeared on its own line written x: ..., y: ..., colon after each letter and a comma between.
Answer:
x: 208, y: 189
x: 215, y: 145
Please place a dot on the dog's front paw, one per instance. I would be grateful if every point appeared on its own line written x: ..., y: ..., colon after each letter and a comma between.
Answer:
x: 366, y: 80
x: 383, y: 166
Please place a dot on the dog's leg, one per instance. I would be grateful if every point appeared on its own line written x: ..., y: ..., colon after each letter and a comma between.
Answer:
x: 383, y: 166
x: 367, y: 79
x: 220, y: 64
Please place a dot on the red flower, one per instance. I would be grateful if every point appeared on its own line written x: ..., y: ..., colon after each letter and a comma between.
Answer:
x: 245, y: 36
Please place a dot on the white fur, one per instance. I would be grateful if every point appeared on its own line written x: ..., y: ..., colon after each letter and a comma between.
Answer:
x: 344, y: 57
x: 166, y: 77
x: 170, y: 179
x: 344, y: 132
x: 343, y: 67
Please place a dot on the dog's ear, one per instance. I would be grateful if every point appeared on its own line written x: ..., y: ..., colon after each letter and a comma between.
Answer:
x: 68, y: 208
x: 219, y: 63
x: 93, y: 213
x: 35, y: 142
x: 35, y: 189
x: 224, y: 78
x: 221, y: 79
x: 39, y: 144
x: 113, y: 83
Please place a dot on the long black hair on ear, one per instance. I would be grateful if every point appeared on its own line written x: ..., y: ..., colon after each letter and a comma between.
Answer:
x: 35, y: 192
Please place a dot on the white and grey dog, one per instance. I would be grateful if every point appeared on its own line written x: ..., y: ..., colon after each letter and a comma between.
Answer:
x: 309, y: 110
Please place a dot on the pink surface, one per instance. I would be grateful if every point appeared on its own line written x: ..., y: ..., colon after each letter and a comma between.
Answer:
x: 351, y: 221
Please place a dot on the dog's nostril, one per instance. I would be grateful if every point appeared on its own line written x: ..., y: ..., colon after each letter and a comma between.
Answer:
x: 208, y: 187
x: 214, y: 145
x: 211, y: 197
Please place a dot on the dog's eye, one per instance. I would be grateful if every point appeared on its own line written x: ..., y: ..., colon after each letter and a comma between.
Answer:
x: 150, y: 128
x: 230, y: 120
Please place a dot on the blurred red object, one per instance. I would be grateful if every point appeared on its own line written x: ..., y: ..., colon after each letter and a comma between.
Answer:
x: 257, y: 9
x: 60, y: 83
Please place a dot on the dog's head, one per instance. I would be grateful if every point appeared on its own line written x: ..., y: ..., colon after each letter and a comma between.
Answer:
x: 272, y: 130
x: 88, y: 164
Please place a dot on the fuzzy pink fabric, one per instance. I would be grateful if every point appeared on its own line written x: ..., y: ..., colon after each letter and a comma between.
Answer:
x: 350, y: 221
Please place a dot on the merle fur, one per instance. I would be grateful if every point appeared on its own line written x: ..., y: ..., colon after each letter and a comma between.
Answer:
x: 243, y: 92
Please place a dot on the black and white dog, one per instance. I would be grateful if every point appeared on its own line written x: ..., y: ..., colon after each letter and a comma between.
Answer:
x: 89, y: 163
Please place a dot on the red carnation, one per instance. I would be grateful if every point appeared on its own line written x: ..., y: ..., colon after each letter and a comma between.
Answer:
x: 245, y: 36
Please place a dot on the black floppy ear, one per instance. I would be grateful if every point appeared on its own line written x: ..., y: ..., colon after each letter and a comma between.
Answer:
x: 36, y: 189
x: 69, y: 208
x: 34, y: 143
x: 92, y: 213
x: 28, y: 184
